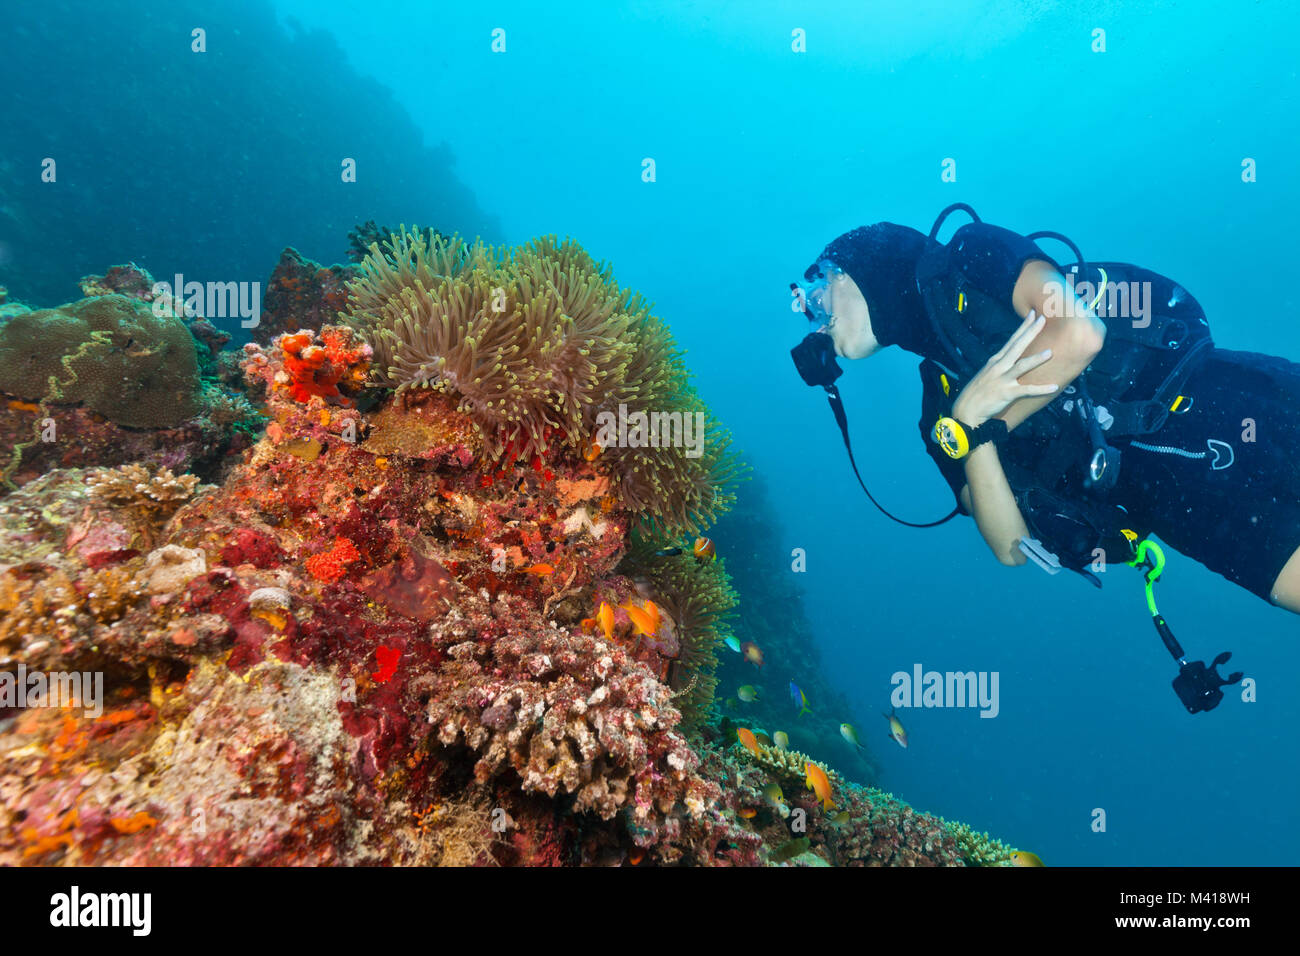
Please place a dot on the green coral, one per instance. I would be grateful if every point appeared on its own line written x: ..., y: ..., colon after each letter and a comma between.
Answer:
x: 108, y: 352
x: 537, y: 342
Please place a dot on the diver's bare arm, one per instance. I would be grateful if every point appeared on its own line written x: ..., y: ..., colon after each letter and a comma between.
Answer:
x: 1075, y: 337
x: 989, y: 498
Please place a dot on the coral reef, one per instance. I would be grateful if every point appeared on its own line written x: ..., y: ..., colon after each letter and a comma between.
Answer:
x: 73, y: 436
x: 314, y: 570
x: 384, y: 638
x: 302, y: 294
x: 129, y: 280
x: 867, y: 827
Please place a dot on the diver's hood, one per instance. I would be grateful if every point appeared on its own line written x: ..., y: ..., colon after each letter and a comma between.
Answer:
x: 882, y: 259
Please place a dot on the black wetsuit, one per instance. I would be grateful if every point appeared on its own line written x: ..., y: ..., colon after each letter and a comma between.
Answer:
x: 1206, y: 483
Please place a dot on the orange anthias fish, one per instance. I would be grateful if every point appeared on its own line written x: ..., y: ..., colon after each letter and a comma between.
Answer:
x: 748, y: 813
x: 636, y: 856
x: 652, y: 609
x: 541, y: 570
x: 644, y: 620
x: 752, y: 653
x: 605, y: 617
x: 749, y: 740
x: 820, y: 784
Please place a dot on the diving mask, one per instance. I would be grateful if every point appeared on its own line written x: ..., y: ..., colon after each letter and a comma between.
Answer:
x: 814, y: 357
x: 809, y: 297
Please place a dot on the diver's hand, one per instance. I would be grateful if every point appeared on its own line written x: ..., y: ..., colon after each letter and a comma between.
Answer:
x: 997, y: 385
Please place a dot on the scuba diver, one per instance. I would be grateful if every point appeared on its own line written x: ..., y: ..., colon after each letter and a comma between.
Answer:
x: 1073, y: 409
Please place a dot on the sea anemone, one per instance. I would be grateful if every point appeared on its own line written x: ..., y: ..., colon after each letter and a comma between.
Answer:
x: 537, y: 342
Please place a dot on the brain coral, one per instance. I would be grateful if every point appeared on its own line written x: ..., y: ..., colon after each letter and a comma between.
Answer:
x: 109, y: 352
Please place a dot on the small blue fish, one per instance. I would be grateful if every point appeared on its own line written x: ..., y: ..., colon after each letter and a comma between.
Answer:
x: 800, y: 701
x: 733, y: 643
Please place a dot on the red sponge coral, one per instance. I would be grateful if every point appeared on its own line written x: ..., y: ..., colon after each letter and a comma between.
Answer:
x: 332, y: 564
x: 320, y: 368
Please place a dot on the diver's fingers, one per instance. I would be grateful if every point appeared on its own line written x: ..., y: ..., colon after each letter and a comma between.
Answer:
x: 1029, y: 391
x: 1030, y: 362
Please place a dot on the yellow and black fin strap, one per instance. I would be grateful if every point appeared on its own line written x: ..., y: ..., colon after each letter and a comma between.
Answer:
x: 1183, y: 403
x: 961, y: 301
x: 943, y: 380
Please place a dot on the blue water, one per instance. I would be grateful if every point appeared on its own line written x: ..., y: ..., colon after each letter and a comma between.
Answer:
x: 762, y: 155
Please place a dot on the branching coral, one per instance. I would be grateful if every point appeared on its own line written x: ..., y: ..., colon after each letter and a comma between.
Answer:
x: 790, y: 766
x: 978, y: 849
x: 568, y: 713
x: 538, y: 342
x: 149, y: 495
x: 154, y: 493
